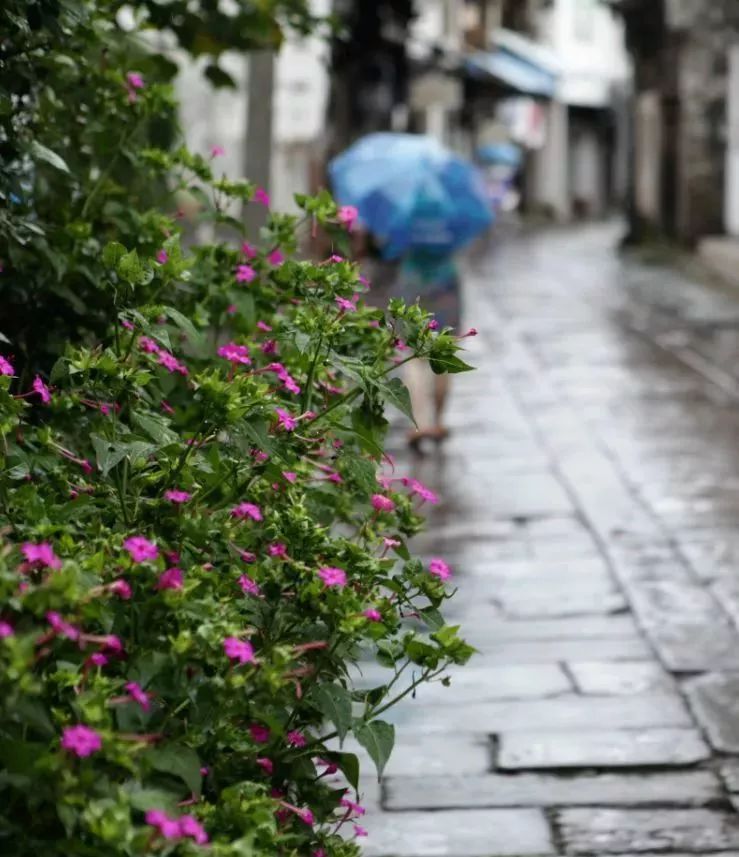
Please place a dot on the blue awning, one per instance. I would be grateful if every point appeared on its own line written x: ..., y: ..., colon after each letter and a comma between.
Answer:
x: 513, y: 71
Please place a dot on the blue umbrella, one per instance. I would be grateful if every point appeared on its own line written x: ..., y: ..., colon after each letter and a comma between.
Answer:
x: 412, y: 192
x: 505, y: 154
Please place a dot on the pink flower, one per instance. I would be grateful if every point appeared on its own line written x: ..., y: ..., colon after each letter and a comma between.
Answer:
x: 138, y: 694
x: 6, y: 629
x: 174, y: 495
x: 295, y: 738
x: 285, y: 420
x: 354, y: 808
x: 264, y: 326
x: 245, y: 274
x: 162, y: 257
x: 346, y: 305
x: 332, y: 576
x: 440, y: 569
x: 235, y: 353
x: 249, y: 586
x: 171, y: 363
x: 348, y: 215
x: 217, y: 151
x: 248, y: 250
x: 99, y: 659
x: 262, y: 197
x: 382, y: 504
x: 192, y: 828
x: 247, y: 510
x: 278, y: 549
x: 259, y: 734
x: 433, y: 324
x: 471, y: 332
x: 329, y: 767
x: 141, y: 549
x: 335, y: 258
x: 6, y: 367
x: 168, y: 827
x: 248, y: 556
x: 276, y: 257
x: 172, y: 578
x: 238, y: 650
x: 266, y: 765
x: 85, y: 465
x: 204, y: 771
x: 41, y: 388
x: 360, y: 831
x: 134, y: 80
x: 290, y: 385
x: 232, y: 309
x: 269, y: 346
x: 112, y: 643
x: 391, y: 543
x: 121, y: 588
x: 423, y: 492
x: 41, y: 555
x: 81, y: 740
x: 126, y: 324
x: 290, y: 476
x: 166, y: 407
x: 148, y: 345
x: 305, y: 815
x: 319, y: 852
x: 372, y: 614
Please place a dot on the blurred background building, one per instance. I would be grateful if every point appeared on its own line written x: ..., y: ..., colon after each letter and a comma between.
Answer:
x: 615, y: 104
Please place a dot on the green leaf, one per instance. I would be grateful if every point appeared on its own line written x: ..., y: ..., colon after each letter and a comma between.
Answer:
x: 180, y: 761
x: 41, y: 153
x: 113, y: 252
x: 361, y: 471
x: 432, y: 617
x: 219, y: 78
x: 396, y: 393
x: 349, y: 765
x: 107, y: 453
x: 146, y: 799
x: 156, y: 427
x: 183, y: 322
x: 449, y: 363
x: 377, y: 738
x: 130, y: 268
x: 335, y: 703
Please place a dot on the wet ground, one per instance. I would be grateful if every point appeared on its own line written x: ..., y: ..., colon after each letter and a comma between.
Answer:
x: 590, y: 498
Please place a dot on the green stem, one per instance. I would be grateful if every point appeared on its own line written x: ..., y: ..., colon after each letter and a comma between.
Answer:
x: 308, y: 392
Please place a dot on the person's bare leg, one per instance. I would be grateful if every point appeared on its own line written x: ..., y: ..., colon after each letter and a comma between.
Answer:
x: 441, y: 392
x: 419, y: 386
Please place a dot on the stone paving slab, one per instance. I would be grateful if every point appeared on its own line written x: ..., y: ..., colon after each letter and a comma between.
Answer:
x: 600, y: 748
x: 714, y: 700
x: 459, y: 833
x: 685, y: 788
x: 640, y: 831
x: 554, y: 651
x: 619, y: 679
x: 686, y: 625
x: 588, y: 627
x: 482, y: 684
x: 561, y: 713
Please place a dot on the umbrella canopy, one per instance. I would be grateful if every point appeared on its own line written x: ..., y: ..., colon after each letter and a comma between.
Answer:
x: 411, y: 192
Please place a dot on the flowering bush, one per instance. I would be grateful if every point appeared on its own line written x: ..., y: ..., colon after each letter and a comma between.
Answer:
x: 199, y: 532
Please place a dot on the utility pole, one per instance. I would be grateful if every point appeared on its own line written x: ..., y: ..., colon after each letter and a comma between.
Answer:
x: 258, y: 150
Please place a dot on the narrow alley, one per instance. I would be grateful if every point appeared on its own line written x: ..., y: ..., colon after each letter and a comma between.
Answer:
x: 589, y: 498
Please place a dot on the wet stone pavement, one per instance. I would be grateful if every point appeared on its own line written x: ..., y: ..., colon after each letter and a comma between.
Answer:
x: 590, y: 494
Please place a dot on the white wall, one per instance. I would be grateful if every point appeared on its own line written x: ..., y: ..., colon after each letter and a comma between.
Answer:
x: 587, y: 39
x: 219, y: 117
